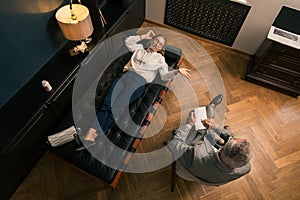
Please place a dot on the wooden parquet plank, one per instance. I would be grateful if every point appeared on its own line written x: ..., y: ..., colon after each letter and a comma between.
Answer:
x: 288, y: 160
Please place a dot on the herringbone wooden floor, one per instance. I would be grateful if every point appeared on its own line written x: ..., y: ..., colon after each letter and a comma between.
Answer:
x: 270, y: 120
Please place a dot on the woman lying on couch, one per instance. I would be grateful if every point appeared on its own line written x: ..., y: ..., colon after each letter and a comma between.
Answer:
x: 144, y: 66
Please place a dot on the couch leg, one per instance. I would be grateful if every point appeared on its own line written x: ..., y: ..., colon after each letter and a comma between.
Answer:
x: 173, y: 176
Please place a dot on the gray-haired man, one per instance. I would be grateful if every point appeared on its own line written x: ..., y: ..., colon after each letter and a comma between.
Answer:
x: 200, y: 160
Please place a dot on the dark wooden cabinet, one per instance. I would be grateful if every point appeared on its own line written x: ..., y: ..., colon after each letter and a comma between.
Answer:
x: 135, y: 13
x: 27, y: 121
x: 277, y: 67
x: 33, y: 114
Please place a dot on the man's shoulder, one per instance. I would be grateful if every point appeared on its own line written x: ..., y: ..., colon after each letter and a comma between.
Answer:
x: 243, y: 170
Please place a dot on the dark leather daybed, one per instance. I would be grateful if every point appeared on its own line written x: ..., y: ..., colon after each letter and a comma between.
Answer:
x: 141, y: 112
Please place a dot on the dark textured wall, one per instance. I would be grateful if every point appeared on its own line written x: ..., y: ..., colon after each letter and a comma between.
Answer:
x: 30, y: 37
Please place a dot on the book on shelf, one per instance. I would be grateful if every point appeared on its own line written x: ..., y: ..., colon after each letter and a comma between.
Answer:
x: 103, y: 20
x: 200, y: 114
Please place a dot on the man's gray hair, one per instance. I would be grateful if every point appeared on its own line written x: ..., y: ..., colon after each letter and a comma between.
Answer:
x: 236, y: 153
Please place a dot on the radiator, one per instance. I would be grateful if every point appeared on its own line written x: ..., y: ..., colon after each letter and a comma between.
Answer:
x: 217, y: 20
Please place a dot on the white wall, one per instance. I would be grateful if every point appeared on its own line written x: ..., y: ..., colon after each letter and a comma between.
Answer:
x: 255, y: 28
x: 155, y: 10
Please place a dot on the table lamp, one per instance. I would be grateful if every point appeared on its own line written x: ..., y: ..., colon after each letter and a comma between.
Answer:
x: 75, y: 22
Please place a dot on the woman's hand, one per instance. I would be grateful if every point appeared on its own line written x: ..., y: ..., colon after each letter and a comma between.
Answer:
x: 185, y: 72
x: 148, y: 36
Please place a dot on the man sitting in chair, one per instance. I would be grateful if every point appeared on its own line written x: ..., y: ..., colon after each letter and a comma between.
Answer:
x: 212, y: 156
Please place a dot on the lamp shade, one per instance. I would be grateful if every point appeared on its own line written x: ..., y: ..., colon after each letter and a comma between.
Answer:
x: 75, y: 23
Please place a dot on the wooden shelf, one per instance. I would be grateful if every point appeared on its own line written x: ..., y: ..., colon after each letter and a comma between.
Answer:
x: 277, y: 67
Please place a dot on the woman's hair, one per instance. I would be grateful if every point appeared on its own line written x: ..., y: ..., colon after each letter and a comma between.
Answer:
x: 163, y: 47
x: 236, y: 153
x: 162, y: 36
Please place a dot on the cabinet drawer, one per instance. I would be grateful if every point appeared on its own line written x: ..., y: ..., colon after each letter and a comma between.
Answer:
x: 279, y: 75
x: 286, y: 51
x: 283, y: 63
x: 27, y: 149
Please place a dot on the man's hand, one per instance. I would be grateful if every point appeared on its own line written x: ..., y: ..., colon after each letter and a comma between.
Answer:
x: 209, y: 123
x: 191, y: 120
x: 185, y: 72
x: 148, y: 36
